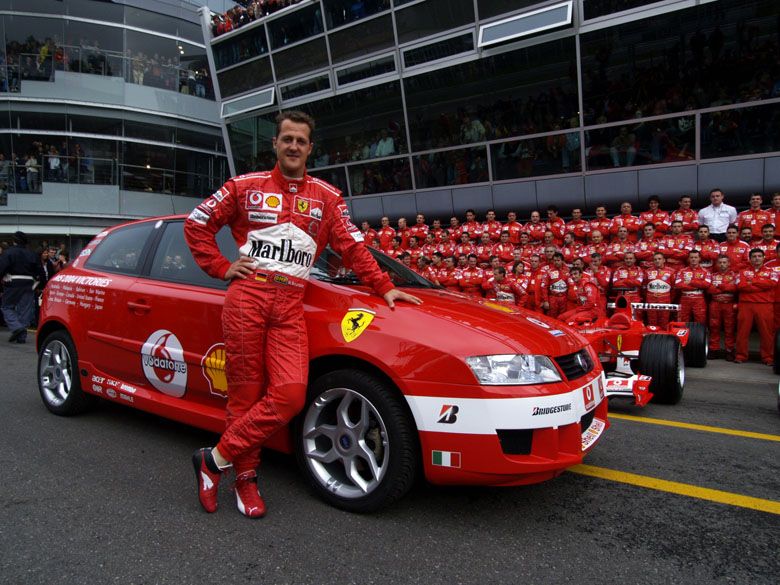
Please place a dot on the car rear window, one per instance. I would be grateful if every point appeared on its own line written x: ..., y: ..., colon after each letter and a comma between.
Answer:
x: 122, y: 250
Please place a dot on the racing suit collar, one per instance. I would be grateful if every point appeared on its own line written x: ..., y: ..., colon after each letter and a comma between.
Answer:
x: 289, y: 185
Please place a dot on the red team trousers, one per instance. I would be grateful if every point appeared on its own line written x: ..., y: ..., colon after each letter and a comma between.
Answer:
x: 725, y: 315
x: 693, y: 308
x: 762, y: 314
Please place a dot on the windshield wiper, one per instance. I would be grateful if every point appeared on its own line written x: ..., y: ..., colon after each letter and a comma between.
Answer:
x: 342, y: 279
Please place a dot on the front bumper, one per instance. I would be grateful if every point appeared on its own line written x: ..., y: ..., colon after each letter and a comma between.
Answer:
x: 510, y: 440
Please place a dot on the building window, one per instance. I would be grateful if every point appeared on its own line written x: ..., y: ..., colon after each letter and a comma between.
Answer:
x: 533, y: 157
x: 380, y: 177
x: 341, y: 12
x: 740, y: 131
x: 245, y: 78
x: 523, y: 25
x: 431, y: 17
x: 295, y: 26
x: 374, y: 35
x: 451, y: 167
x: 366, y: 70
x: 439, y: 50
x: 300, y: 59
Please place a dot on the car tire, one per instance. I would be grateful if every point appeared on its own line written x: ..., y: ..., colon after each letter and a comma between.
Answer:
x: 776, y: 367
x: 355, y: 442
x: 59, y: 382
x: 661, y: 357
x: 697, y: 348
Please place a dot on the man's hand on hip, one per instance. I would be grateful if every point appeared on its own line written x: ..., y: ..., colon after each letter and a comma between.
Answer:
x: 241, y: 268
x: 398, y: 295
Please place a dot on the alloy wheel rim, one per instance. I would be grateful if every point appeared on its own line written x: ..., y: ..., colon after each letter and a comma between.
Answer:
x: 56, y: 373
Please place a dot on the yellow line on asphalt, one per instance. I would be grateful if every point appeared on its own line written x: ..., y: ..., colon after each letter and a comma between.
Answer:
x: 683, y: 489
x: 695, y: 427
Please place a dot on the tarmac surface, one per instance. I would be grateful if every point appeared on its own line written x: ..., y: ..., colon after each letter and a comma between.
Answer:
x: 109, y: 497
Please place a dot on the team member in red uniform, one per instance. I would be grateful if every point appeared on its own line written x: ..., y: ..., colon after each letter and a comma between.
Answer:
x: 723, y: 307
x: 449, y: 274
x: 746, y: 235
x: 504, y: 249
x: 555, y: 287
x: 386, y: 234
x: 369, y: 234
x: 656, y: 216
x: 676, y: 245
x: 555, y: 224
x: 514, y: 227
x: 647, y: 246
x: 501, y: 287
x: 626, y: 220
x: 403, y: 232
x: 571, y: 250
x: 628, y: 278
x: 775, y: 211
x: 754, y: 217
x: 527, y: 249
x: 600, y: 223
x: 616, y: 250
x: 596, y: 246
x: 471, y: 278
x: 429, y: 246
x: 281, y: 221
x: 583, y: 299
x: 472, y: 227
x: 601, y: 276
x: 536, y: 277
x: 517, y: 258
x: 437, y: 231
x: 492, y: 227
x: 775, y: 266
x: 420, y: 229
x: 465, y: 248
x: 424, y: 268
x: 689, y: 217
x: 578, y: 227
x: 395, y: 250
x: 484, y: 250
x: 535, y: 228
x: 768, y: 243
x: 735, y: 249
x: 455, y: 230
x: 445, y: 246
x: 693, y: 281
x: 659, y: 281
x: 709, y: 248
x: 756, y: 286
x: 522, y: 284
x: 414, y: 250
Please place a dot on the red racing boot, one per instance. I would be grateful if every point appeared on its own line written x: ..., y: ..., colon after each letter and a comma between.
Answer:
x: 207, y: 475
x: 249, y: 501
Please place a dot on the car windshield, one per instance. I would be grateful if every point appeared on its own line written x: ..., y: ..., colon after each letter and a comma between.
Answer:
x: 329, y: 268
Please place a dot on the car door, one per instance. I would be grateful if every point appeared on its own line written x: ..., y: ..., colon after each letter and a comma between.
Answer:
x: 176, y: 328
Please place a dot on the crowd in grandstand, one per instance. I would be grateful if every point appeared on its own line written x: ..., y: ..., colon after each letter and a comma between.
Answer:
x: 245, y: 12
x: 66, y: 162
x: 722, y: 267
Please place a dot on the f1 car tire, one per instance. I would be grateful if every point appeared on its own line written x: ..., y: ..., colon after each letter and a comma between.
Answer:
x: 776, y: 367
x: 661, y: 357
x: 356, y: 444
x: 58, y: 376
x: 697, y: 348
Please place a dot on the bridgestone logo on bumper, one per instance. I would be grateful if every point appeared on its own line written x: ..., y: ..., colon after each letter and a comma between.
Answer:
x: 539, y: 411
x: 284, y: 252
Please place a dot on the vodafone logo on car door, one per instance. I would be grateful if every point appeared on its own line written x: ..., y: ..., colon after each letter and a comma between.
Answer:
x: 162, y: 358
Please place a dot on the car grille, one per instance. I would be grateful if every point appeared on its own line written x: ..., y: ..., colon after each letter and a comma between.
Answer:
x: 586, y: 420
x: 515, y: 441
x: 573, y: 367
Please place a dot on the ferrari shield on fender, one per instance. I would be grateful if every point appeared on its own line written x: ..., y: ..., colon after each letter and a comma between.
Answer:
x: 355, y: 322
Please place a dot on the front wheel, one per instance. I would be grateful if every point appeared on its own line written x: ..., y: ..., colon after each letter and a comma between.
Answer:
x: 661, y: 357
x: 698, y: 346
x: 58, y: 376
x: 355, y: 442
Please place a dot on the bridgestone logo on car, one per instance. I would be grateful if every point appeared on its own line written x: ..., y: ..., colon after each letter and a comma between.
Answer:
x: 281, y: 253
x: 542, y: 410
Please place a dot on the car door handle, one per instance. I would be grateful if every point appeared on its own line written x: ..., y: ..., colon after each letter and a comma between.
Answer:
x: 139, y: 307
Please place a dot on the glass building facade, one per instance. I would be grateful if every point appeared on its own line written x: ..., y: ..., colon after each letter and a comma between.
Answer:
x: 490, y: 100
x: 107, y: 112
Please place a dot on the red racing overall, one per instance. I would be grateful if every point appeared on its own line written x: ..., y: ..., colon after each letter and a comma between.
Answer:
x: 284, y: 224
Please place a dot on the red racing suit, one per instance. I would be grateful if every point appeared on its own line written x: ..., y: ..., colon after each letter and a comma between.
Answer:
x: 676, y: 248
x: 723, y: 309
x: 601, y: 280
x: 756, y: 297
x: 628, y: 282
x: 660, y: 219
x: 755, y: 220
x: 775, y: 266
x: 710, y: 250
x: 631, y: 222
x: 580, y: 229
x: 284, y: 225
x: 535, y: 231
x: 688, y: 217
x: 737, y: 254
x: 692, y: 284
x: 555, y: 290
x: 470, y: 281
x: 658, y: 289
x: 448, y: 278
x: 584, y: 300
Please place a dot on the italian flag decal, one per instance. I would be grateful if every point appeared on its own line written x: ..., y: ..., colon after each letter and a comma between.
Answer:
x: 446, y: 458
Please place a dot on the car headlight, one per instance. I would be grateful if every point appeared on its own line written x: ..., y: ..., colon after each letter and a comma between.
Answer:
x: 513, y: 370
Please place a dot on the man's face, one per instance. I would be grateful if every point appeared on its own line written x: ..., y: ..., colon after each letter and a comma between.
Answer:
x: 685, y: 203
x: 293, y: 146
x: 622, y: 233
x: 524, y: 239
x: 549, y: 252
x: 576, y: 214
x: 601, y: 212
x: 694, y: 260
x: 511, y: 216
x: 755, y: 202
x: 576, y: 275
x: 625, y: 208
x: 497, y: 275
x: 401, y: 223
x: 722, y: 264
x: 716, y: 197
x: 704, y: 233
x: 407, y: 260
x: 491, y: 216
x: 436, y: 261
x: 658, y: 260
x: 776, y: 202
x: 517, y: 255
x: 596, y: 237
x: 648, y: 232
x: 470, y: 216
x: 768, y: 233
x: 595, y: 263
x: 454, y: 222
x: 495, y: 263
x: 568, y: 239
x: 504, y: 238
x: 557, y: 261
x: 472, y: 262
x: 429, y: 239
x: 535, y: 217
x: 413, y: 242
x: 365, y: 225
x: 437, y: 224
x: 731, y: 235
x: 653, y: 205
x: 420, y: 219
x: 578, y: 263
x: 629, y: 259
x: 552, y: 214
x: 757, y: 259
x: 677, y: 228
x: 746, y: 234
x: 549, y: 238
x: 464, y: 238
x: 534, y: 262
x: 448, y: 263
x: 485, y: 239
x: 385, y: 222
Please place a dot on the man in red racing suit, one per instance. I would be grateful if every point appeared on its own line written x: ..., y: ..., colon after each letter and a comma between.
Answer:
x: 281, y: 221
x: 659, y: 281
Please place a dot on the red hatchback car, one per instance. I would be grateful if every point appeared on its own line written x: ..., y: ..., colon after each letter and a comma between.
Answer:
x: 467, y: 392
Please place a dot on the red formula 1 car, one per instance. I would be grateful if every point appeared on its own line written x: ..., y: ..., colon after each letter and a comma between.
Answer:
x: 641, y: 361
x: 468, y: 393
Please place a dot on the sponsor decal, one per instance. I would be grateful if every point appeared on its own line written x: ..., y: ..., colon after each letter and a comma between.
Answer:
x: 316, y: 210
x: 111, y: 393
x: 658, y: 286
x: 592, y: 433
x: 682, y: 333
x: 538, y: 322
x: 556, y: 333
x: 199, y: 216
x: 619, y: 343
x: 445, y: 458
x: 97, y: 388
x: 261, y: 217
x: 292, y: 187
x: 85, y: 280
x: 127, y: 398
x: 544, y: 410
x: 448, y: 414
x: 259, y: 201
x: 98, y: 379
x: 302, y: 205
x: 314, y: 227
x: 213, y: 369
x: 497, y: 307
x: 589, y: 395
x: 344, y: 210
x: 283, y: 252
x: 308, y: 207
x: 559, y: 286
x: 219, y: 194
x: 162, y: 359
x: 85, y: 252
x: 355, y: 322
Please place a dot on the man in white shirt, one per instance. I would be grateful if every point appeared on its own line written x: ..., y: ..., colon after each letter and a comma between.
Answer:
x: 717, y: 216
x: 385, y: 146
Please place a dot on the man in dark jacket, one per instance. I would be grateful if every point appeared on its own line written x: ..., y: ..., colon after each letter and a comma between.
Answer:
x: 19, y: 269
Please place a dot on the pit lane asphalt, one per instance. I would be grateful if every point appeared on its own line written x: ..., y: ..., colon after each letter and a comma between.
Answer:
x: 108, y: 497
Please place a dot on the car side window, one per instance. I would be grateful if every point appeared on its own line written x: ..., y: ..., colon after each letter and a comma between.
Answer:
x: 121, y: 250
x: 173, y: 261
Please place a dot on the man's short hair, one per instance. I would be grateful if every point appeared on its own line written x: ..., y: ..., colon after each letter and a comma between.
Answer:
x: 732, y: 226
x: 655, y: 198
x: 552, y: 208
x: 716, y: 189
x: 756, y: 251
x: 694, y: 252
x: 767, y: 225
x: 294, y: 116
